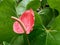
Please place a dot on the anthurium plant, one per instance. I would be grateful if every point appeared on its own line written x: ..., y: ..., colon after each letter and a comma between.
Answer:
x: 29, y: 22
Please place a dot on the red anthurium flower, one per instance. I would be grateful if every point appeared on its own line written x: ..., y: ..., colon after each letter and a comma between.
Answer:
x: 28, y: 20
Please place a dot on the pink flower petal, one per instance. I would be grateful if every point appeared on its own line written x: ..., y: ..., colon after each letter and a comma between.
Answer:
x: 28, y: 19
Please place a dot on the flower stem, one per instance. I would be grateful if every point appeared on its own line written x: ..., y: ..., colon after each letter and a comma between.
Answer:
x: 23, y: 26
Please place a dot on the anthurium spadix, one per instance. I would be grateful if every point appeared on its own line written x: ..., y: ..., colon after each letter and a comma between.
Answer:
x: 27, y: 19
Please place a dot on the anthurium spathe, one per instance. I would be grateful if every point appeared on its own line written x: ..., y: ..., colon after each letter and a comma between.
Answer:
x: 27, y: 19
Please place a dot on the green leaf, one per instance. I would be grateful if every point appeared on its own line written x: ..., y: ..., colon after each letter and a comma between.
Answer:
x: 54, y: 4
x: 53, y: 34
x: 46, y: 15
x: 7, y: 9
x: 37, y: 36
x: 34, y: 5
x: 22, y: 6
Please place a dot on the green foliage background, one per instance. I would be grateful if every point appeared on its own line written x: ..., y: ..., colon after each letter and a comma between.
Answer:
x: 46, y: 30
